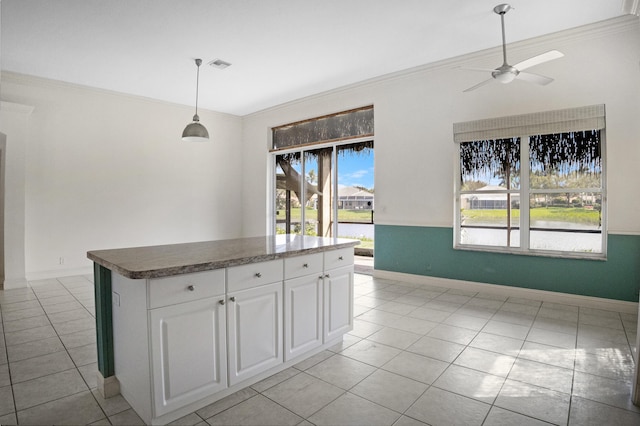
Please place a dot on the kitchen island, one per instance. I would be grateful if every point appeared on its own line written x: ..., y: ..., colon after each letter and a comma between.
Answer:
x: 181, y: 326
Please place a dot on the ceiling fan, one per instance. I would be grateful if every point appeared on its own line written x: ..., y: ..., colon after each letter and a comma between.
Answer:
x: 507, y: 73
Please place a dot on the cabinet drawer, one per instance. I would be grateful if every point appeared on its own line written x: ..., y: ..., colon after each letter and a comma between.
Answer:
x: 299, y: 266
x: 338, y: 258
x: 254, y: 274
x: 185, y: 288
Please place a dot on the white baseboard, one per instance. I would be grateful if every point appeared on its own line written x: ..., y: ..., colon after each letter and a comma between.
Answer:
x: 14, y: 283
x: 58, y: 273
x: 503, y: 290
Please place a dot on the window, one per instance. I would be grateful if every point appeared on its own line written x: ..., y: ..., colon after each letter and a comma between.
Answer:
x: 324, y: 176
x: 532, y: 184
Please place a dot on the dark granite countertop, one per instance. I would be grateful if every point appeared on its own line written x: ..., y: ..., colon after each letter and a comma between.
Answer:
x: 175, y: 259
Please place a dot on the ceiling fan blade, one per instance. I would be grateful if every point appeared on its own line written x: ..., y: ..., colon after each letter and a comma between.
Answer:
x: 482, y: 83
x: 537, y: 60
x: 534, y: 78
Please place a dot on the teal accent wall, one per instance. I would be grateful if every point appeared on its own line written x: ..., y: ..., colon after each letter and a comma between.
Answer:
x: 429, y: 251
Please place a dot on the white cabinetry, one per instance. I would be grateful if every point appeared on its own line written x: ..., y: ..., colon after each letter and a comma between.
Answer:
x: 188, y: 352
x: 188, y: 338
x: 302, y: 304
x: 254, y: 319
x: 185, y: 341
x: 338, y: 293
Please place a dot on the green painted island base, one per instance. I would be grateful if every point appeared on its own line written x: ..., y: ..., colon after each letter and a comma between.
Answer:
x: 108, y: 384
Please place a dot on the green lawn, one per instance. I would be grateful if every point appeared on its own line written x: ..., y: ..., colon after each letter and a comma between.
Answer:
x: 552, y: 214
x: 363, y: 216
x: 364, y: 242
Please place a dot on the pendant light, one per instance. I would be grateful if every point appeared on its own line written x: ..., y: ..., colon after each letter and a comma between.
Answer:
x: 196, y: 132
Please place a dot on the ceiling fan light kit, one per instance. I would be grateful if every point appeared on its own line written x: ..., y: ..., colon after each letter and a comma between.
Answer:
x: 506, y: 73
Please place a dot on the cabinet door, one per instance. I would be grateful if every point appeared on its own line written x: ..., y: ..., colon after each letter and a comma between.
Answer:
x: 338, y: 302
x: 254, y: 319
x: 188, y: 352
x: 302, y: 315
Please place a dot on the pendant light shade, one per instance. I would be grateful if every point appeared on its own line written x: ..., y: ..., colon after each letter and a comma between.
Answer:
x: 195, y: 131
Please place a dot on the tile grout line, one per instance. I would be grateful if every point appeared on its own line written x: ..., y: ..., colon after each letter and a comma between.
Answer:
x: 468, y: 346
x: 46, y: 314
x: 74, y: 362
x: 401, y: 350
x: 430, y: 385
x: 574, y: 357
x: 6, y: 349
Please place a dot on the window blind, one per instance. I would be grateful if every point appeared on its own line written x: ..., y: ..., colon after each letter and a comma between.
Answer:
x: 565, y: 120
x: 341, y: 126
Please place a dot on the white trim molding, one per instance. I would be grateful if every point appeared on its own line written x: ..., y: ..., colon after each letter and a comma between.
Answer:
x: 556, y: 40
x: 632, y: 7
x: 502, y: 290
x: 14, y: 283
x: 13, y: 107
x: 59, y: 273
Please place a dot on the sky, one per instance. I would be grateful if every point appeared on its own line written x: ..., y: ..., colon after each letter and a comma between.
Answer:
x: 356, y: 170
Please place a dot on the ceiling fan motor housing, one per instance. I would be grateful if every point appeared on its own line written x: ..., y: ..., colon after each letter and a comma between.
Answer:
x: 505, y: 74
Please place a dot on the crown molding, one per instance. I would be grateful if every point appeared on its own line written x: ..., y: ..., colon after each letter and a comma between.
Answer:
x: 47, y: 83
x: 13, y: 107
x: 575, y: 35
x: 580, y: 34
x: 631, y: 7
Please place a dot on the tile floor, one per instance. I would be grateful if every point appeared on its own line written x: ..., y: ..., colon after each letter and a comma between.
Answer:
x: 417, y: 355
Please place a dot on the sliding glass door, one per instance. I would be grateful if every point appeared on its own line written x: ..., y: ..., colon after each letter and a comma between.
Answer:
x: 326, y: 191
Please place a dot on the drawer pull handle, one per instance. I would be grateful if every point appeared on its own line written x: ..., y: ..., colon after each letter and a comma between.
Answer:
x: 258, y: 274
x: 191, y: 287
x: 221, y: 302
x: 306, y: 265
x: 340, y: 258
x: 326, y: 275
x: 233, y: 299
x: 321, y: 277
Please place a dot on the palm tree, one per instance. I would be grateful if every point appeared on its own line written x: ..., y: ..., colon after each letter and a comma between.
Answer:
x: 312, y: 177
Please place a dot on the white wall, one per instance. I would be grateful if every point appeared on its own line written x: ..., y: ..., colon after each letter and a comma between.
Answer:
x: 14, y: 122
x: 106, y: 170
x: 415, y: 110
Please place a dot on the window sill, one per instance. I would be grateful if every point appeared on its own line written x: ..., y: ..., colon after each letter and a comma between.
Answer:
x: 537, y: 253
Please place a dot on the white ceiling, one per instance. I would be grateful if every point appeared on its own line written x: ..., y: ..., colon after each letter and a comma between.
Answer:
x: 280, y: 50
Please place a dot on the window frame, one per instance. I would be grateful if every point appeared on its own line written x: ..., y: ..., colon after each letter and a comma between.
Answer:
x: 525, y: 192
x: 272, y: 169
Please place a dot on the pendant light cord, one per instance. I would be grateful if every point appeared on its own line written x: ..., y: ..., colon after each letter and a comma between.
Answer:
x: 198, y: 63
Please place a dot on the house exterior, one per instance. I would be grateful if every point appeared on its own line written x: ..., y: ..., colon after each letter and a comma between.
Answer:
x: 352, y: 198
x: 489, y: 200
